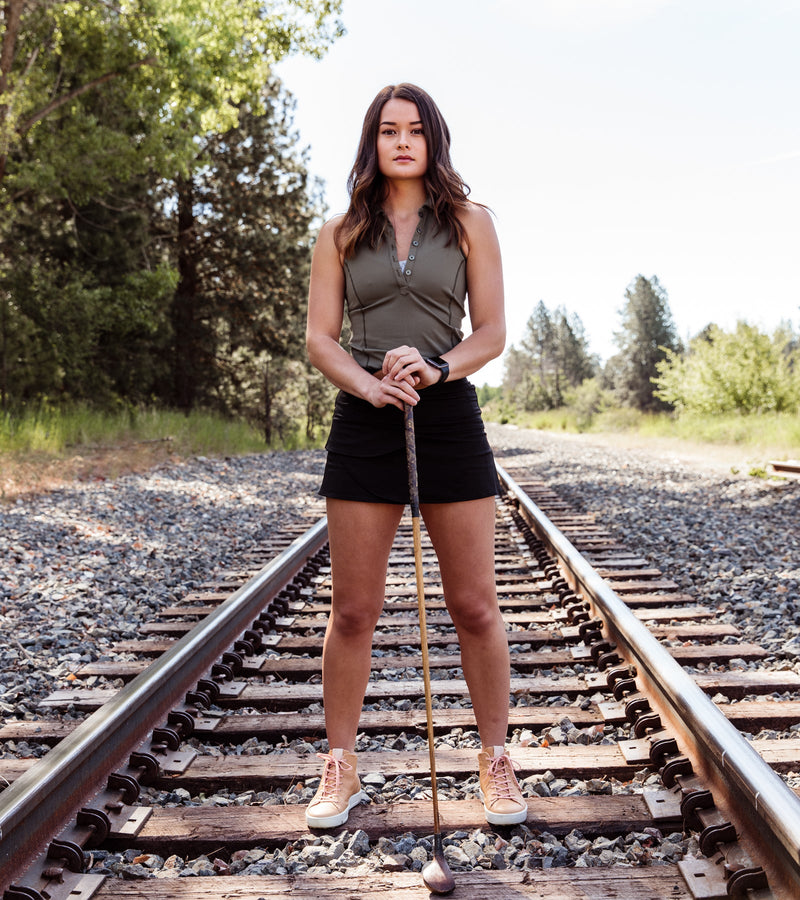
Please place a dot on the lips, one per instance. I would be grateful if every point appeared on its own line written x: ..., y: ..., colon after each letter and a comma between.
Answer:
x: 404, y: 159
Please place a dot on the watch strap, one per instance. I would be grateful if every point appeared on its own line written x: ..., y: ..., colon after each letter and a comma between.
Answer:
x: 441, y: 364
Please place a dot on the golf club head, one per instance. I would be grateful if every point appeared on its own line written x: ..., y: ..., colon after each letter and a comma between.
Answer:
x: 436, y: 875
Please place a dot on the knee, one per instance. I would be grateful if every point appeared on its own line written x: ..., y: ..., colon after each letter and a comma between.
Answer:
x: 475, y: 615
x: 352, y: 621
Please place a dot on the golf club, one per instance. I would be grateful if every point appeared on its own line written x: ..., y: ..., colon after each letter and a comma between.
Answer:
x: 436, y: 875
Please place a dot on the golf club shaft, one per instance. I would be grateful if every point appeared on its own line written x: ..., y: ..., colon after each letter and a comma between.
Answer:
x: 413, y: 486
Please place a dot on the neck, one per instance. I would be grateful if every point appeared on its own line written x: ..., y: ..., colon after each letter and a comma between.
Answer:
x: 404, y: 197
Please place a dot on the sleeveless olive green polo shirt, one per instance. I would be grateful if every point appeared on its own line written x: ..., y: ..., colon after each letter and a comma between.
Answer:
x: 422, y: 306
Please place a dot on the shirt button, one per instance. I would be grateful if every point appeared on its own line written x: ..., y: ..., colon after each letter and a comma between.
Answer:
x: 415, y: 243
x: 411, y: 256
x: 408, y: 271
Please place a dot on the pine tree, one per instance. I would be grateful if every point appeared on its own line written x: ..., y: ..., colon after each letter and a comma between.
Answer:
x: 553, y: 357
x: 245, y: 223
x: 647, y: 334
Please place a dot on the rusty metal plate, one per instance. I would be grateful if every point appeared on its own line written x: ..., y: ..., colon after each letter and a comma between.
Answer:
x: 663, y: 806
x: 636, y: 753
x: 704, y: 878
x: 231, y: 690
x: 128, y: 821
x: 612, y: 711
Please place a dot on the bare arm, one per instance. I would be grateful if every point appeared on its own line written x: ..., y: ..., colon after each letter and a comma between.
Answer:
x: 324, y: 328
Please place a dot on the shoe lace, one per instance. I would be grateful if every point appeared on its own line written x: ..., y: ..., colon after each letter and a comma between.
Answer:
x: 332, y: 775
x: 501, y: 775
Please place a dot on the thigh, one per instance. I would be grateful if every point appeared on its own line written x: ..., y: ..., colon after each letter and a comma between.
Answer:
x: 360, y: 536
x: 462, y: 535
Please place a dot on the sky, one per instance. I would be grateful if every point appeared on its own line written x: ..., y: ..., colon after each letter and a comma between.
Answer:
x: 611, y: 138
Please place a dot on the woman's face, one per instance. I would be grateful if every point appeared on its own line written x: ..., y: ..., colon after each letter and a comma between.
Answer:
x: 402, y: 147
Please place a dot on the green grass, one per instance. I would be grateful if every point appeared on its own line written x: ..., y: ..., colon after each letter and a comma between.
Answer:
x: 774, y: 433
x: 779, y: 431
x: 54, y: 432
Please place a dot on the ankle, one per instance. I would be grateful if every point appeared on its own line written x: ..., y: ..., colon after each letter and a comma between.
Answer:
x: 494, y: 750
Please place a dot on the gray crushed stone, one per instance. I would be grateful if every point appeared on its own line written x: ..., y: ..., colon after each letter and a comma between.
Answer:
x: 85, y: 566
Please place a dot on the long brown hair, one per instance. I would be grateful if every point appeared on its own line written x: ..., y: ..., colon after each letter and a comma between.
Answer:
x: 446, y: 190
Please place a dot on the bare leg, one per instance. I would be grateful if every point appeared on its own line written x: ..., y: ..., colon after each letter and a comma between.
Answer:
x: 463, y: 537
x: 361, y: 537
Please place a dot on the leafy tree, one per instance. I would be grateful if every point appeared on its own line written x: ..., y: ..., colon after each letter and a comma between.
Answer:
x: 179, y: 64
x: 244, y: 226
x: 573, y: 362
x: 552, y: 358
x: 647, y: 334
x: 86, y: 283
x: 516, y: 375
x: 487, y: 393
x: 744, y: 371
x: 319, y: 400
x: 96, y: 102
x: 85, y: 296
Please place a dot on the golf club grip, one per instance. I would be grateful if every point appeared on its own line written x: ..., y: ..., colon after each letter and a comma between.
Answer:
x: 411, y: 457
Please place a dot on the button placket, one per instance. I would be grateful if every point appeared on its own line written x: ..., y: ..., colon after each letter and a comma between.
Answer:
x: 414, y: 243
x: 404, y: 273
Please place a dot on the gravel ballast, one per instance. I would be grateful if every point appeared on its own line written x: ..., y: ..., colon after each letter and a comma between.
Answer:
x: 86, y: 565
x: 730, y: 540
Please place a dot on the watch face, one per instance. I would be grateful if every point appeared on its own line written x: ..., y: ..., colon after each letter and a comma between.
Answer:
x: 438, y: 363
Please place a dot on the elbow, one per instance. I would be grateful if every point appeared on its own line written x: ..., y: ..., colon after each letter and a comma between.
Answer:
x: 312, y: 350
x: 319, y: 350
x: 498, y: 341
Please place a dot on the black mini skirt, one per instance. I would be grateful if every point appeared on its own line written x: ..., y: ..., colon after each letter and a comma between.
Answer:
x: 366, y: 458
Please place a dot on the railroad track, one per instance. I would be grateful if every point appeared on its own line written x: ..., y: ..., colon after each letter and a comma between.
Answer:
x: 785, y: 466
x: 599, y: 696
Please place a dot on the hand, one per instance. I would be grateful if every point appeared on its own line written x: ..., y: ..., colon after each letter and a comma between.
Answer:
x: 387, y: 391
x: 406, y: 364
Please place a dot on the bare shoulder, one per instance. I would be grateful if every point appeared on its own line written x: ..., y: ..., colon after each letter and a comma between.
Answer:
x: 478, y: 224
x: 476, y: 213
x: 331, y: 226
x: 326, y: 239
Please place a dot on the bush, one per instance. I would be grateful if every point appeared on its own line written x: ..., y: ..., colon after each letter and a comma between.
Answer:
x: 746, y: 371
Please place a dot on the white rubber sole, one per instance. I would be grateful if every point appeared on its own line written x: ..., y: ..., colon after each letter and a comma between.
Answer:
x: 514, y: 818
x: 339, y: 818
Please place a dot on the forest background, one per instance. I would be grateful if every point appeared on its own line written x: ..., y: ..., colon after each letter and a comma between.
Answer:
x: 158, y: 212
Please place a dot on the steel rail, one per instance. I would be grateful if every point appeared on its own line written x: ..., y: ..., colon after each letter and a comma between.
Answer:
x: 768, y: 797
x: 42, y: 800
x: 787, y: 466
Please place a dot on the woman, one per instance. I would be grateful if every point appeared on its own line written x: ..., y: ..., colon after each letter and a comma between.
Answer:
x: 403, y: 259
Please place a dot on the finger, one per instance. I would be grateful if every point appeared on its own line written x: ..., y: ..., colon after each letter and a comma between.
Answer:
x: 404, y: 390
x: 408, y: 368
x: 393, y: 356
x: 399, y: 378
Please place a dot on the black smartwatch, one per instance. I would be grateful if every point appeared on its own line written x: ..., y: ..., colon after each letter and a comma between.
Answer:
x: 441, y: 364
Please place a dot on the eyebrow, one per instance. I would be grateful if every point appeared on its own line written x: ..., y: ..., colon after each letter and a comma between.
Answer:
x: 417, y: 122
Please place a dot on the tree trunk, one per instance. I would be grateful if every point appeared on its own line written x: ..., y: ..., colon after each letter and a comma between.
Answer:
x: 267, y: 405
x: 4, y: 352
x: 8, y: 50
x: 187, y: 352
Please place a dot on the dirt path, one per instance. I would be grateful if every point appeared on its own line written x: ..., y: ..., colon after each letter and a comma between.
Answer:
x: 37, y: 474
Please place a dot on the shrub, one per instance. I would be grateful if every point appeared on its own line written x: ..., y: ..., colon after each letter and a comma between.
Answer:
x: 744, y: 371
